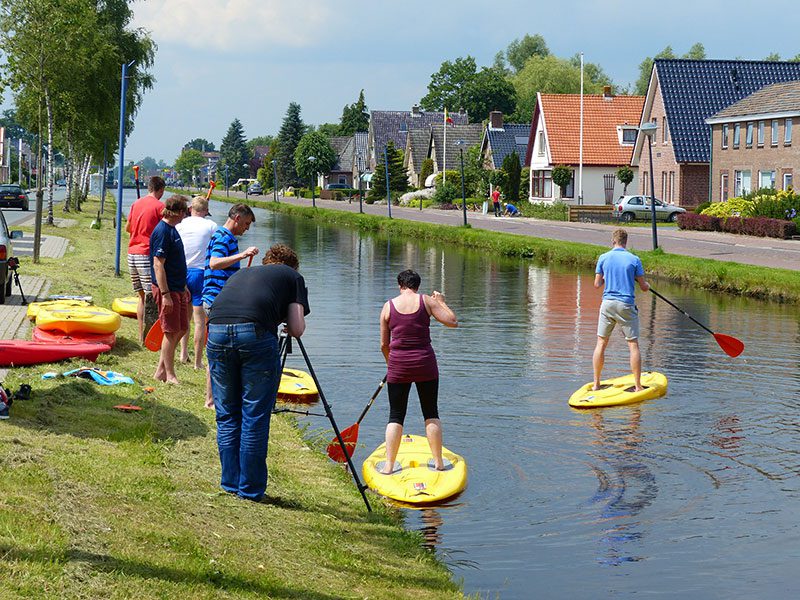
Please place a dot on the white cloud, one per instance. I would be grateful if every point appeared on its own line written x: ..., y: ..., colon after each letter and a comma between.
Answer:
x: 234, y: 25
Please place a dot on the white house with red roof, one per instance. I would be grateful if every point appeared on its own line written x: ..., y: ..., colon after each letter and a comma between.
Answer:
x: 610, y: 125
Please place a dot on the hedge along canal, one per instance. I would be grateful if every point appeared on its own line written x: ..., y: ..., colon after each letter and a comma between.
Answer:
x: 779, y: 285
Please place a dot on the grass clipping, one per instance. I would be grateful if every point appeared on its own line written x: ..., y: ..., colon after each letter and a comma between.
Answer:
x: 99, y: 503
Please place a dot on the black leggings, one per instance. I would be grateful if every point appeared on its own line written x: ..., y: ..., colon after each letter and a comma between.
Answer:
x: 428, y: 392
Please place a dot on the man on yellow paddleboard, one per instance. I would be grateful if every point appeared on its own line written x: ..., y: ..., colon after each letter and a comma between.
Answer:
x: 619, y: 269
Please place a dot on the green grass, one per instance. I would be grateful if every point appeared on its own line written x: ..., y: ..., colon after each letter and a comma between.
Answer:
x: 780, y: 285
x: 100, y: 503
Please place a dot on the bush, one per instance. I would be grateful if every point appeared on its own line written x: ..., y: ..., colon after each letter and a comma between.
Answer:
x: 756, y: 226
x: 446, y: 193
x: 452, y: 176
x: 698, y: 222
x: 426, y: 202
x: 735, y: 207
x: 553, y: 211
x: 702, y: 206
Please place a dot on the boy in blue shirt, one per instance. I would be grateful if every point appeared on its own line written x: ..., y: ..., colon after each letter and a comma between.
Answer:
x: 619, y: 270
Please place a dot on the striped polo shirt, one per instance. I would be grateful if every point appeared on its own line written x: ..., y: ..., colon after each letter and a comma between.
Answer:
x: 223, y: 243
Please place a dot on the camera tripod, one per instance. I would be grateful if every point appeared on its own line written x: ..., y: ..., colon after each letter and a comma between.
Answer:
x: 13, y: 265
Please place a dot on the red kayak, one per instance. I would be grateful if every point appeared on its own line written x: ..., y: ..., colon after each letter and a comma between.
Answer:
x: 42, y: 335
x: 15, y: 353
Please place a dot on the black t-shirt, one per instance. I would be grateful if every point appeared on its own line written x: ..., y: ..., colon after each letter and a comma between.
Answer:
x: 260, y: 295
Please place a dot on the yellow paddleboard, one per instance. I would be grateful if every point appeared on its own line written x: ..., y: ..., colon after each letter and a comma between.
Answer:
x: 125, y: 306
x: 33, y: 307
x: 414, y: 479
x: 619, y: 391
x: 83, y: 319
x: 297, y: 386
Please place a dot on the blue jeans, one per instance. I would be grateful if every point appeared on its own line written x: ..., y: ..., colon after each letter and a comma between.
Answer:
x: 245, y: 373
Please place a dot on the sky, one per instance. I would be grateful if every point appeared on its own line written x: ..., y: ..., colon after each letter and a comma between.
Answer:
x: 248, y: 59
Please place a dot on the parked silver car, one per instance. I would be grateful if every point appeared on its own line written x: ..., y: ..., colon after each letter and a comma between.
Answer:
x: 631, y: 208
x: 6, y: 252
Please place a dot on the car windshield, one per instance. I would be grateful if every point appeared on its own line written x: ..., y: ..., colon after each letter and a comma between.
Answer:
x: 10, y: 188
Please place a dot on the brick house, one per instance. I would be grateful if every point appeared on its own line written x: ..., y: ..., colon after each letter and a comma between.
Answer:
x: 610, y: 127
x: 751, y: 142
x: 681, y: 95
x: 342, y: 171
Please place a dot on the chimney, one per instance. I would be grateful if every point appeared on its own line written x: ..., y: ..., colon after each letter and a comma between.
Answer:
x: 607, y: 95
x: 496, y: 120
x: 415, y: 110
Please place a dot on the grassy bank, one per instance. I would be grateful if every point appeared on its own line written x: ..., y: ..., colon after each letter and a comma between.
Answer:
x: 780, y: 285
x: 101, y: 503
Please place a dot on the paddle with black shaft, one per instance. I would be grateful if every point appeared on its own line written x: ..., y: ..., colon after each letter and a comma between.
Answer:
x: 136, y: 179
x: 329, y: 414
x: 350, y: 435
x: 729, y: 344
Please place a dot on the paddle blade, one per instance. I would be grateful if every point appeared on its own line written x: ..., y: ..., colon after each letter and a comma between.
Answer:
x: 154, y: 337
x: 350, y: 437
x: 732, y: 346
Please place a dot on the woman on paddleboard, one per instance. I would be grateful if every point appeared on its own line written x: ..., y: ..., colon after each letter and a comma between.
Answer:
x: 406, y: 346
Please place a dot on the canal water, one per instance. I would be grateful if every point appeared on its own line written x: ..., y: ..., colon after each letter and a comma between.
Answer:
x: 694, y: 495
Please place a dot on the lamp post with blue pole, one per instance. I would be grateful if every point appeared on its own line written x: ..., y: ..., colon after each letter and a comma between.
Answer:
x: 312, y: 161
x: 227, y: 191
x: 460, y: 144
x: 123, y: 94
x: 649, y: 130
x: 275, y: 180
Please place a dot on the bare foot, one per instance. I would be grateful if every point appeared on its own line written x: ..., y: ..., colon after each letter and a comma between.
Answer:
x: 173, y: 380
x: 595, y: 387
x: 198, y: 366
x: 638, y: 388
x: 160, y: 375
x: 184, y: 359
x: 209, y: 403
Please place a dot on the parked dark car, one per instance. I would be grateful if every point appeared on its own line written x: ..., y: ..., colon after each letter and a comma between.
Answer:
x: 255, y: 188
x: 337, y: 186
x: 13, y: 196
x: 6, y: 252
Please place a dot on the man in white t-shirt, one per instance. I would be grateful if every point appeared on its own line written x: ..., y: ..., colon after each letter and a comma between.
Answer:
x: 196, y: 232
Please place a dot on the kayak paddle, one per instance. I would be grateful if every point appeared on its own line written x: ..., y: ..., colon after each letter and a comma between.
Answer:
x: 350, y: 435
x: 211, y: 186
x: 729, y: 344
x: 136, y: 178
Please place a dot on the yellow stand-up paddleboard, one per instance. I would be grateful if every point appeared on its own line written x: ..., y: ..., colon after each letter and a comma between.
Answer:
x: 297, y: 386
x: 33, y: 307
x: 414, y: 479
x: 79, y: 319
x: 619, y: 391
x: 126, y: 306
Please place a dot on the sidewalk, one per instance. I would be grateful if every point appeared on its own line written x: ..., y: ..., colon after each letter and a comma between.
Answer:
x: 764, y: 252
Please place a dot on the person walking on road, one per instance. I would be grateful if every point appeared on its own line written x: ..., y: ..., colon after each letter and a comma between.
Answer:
x: 496, y: 202
x: 144, y: 215
x: 245, y: 363
x: 406, y: 346
x: 619, y: 270
x: 196, y: 231
x: 169, y: 284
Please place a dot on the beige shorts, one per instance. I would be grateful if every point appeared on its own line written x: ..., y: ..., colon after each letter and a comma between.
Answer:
x: 614, y: 312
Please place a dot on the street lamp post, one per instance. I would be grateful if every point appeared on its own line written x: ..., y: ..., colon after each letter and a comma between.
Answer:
x: 388, y: 188
x: 227, y: 192
x: 246, y: 183
x: 460, y: 144
x: 275, y: 180
x: 312, y: 160
x: 649, y: 130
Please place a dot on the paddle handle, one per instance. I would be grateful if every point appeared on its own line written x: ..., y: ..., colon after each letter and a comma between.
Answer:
x: 211, y: 186
x: 680, y: 310
x: 371, y: 400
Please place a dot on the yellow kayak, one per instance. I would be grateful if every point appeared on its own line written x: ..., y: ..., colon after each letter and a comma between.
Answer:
x: 619, y: 391
x: 414, y: 479
x: 125, y: 306
x: 297, y: 386
x: 79, y: 319
x: 33, y: 307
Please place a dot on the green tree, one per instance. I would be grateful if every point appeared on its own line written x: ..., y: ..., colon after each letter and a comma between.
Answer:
x: 592, y: 72
x: 772, y: 57
x: 355, y: 117
x: 646, y: 68
x: 625, y: 176
x: 398, y: 180
x: 488, y: 90
x: 513, y: 171
x: 448, y: 85
x: 201, y: 144
x: 259, y: 140
x: 520, y: 50
x: 426, y: 170
x: 696, y: 52
x: 291, y: 132
x: 328, y: 129
x: 318, y: 145
x: 562, y: 177
x: 188, y: 163
x: 233, y: 152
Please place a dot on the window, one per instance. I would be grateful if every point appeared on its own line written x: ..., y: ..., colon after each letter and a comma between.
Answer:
x: 725, y: 136
x: 787, y: 132
x: 636, y: 201
x: 723, y: 187
x: 787, y: 181
x: 766, y: 179
x: 741, y: 183
x: 655, y: 133
x: 628, y: 137
x: 541, y: 184
x: 671, y: 198
x: 666, y: 131
x: 749, y: 136
x: 774, y: 132
x: 736, y: 135
x: 663, y: 184
x: 569, y: 191
x: 645, y: 182
x: 541, y: 143
x: 760, y: 133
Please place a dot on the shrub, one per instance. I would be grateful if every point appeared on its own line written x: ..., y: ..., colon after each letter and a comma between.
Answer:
x: 702, y: 206
x: 697, y: 222
x: 452, y: 176
x: 756, y: 226
x: 426, y: 170
x: 553, y: 211
x: 735, y: 207
x: 446, y: 193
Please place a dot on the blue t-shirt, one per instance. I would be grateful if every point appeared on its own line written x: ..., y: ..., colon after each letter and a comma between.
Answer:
x: 511, y: 208
x: 166, y: 243
x: 223, y: 244
x: 619, y: 268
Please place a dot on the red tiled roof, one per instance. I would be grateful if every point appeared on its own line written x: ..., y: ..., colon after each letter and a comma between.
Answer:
x: 600, y: 120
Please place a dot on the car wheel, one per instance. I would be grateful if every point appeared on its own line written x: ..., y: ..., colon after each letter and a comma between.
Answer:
x: 672, y: 217
x: 8, y: 287
x: 26, y: 206
x: 627, y: 217
x: 4, y: 290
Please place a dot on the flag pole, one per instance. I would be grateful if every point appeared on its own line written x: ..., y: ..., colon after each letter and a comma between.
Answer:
x: 580, y: 152
x: 444, y: 150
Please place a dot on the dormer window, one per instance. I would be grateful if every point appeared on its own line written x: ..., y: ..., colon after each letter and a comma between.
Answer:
x: 627, y: 135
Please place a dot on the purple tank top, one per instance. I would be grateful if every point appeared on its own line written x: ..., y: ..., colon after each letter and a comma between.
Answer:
x: 411, y: 356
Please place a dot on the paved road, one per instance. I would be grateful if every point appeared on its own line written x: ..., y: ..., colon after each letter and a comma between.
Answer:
x: 15, y: 215
x: 767, y: 252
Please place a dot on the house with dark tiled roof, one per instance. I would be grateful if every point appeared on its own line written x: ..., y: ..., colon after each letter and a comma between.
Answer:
x: 610, y: 126
x: 418, y: 145
x: 394, y: 125
x: 360, y: 159
x: 682, y: 94
x: 754, y: 144
x: 342, y: 171
x: 446, y: 153
x: 501, y: 139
